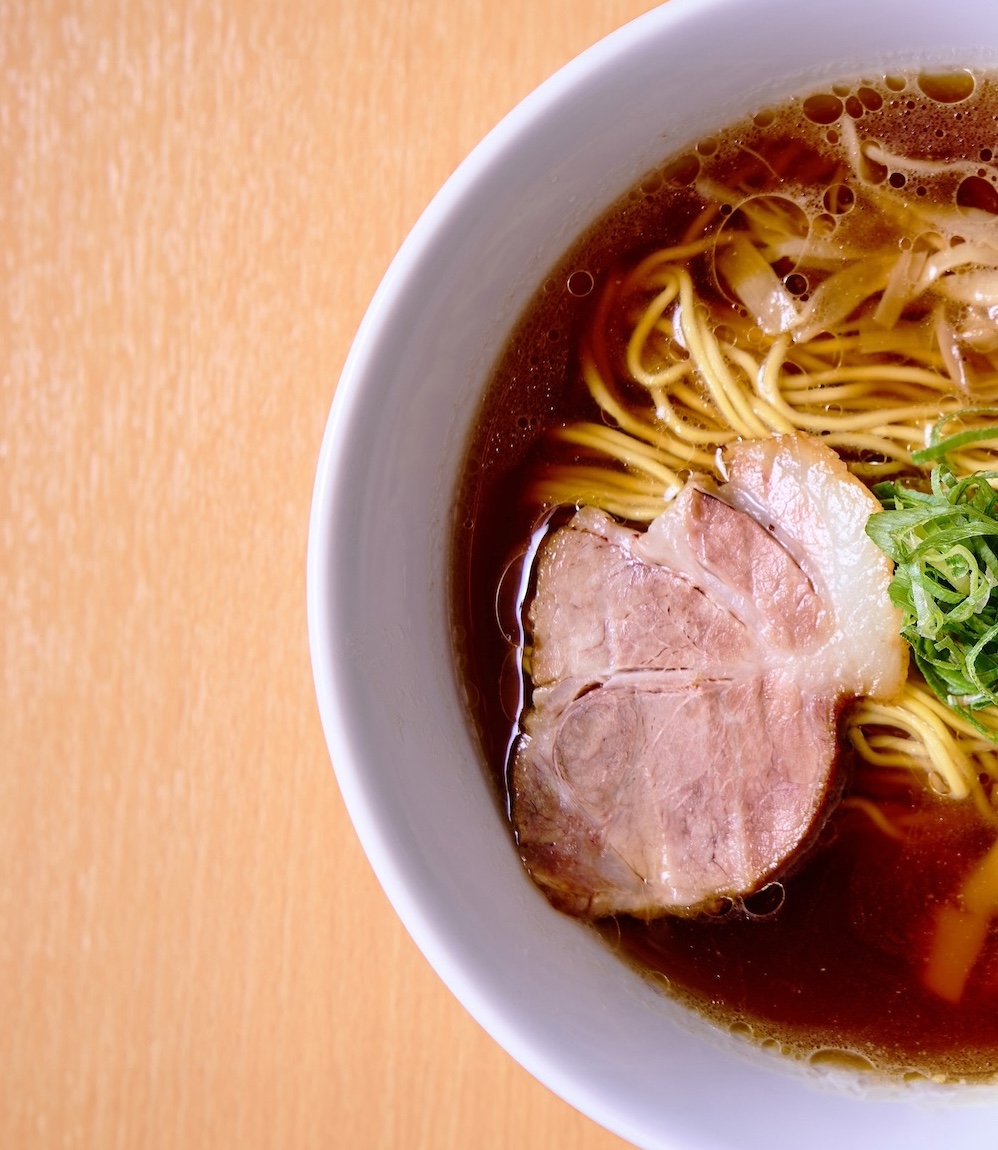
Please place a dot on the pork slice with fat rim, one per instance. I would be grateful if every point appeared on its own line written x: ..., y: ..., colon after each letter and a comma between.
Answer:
x: 681, y: 737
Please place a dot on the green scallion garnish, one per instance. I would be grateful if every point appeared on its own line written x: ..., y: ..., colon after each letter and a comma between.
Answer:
x: 944, y: 544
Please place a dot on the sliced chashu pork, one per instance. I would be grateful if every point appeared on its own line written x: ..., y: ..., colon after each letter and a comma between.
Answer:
x: 686, y: 680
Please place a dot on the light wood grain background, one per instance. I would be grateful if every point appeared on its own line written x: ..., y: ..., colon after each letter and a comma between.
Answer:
x: 197, y: 200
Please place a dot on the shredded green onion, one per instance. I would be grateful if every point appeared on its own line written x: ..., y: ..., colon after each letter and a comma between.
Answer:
x: 939, y: 446
x: 944, y: 544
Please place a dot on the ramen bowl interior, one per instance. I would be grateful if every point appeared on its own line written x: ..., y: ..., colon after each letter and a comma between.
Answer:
x: 544, y: 985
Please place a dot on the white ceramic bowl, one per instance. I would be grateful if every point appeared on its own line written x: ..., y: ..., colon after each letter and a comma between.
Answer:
x: 542, y: 985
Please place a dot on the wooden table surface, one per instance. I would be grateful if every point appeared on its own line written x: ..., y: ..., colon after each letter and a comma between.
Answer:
x: 198, y: 200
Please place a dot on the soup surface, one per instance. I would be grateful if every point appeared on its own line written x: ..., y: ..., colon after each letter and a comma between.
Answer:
x: 828, y: 960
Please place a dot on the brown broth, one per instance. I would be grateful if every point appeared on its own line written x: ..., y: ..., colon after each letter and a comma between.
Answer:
x: 838, y: 964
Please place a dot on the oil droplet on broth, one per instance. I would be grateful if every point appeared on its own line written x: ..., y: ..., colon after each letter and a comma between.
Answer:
x: 823, y: 108
x: 947, y: 87
x: 580, y: 284
x: 682, y: 171
x: 978, y: 195
x: 507, y: 600
x: 839, y: 199
x: 871, y: 98
x: 832, y: 1059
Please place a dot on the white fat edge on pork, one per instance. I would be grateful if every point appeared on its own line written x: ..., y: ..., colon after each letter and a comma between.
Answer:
x: 804, y: 494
